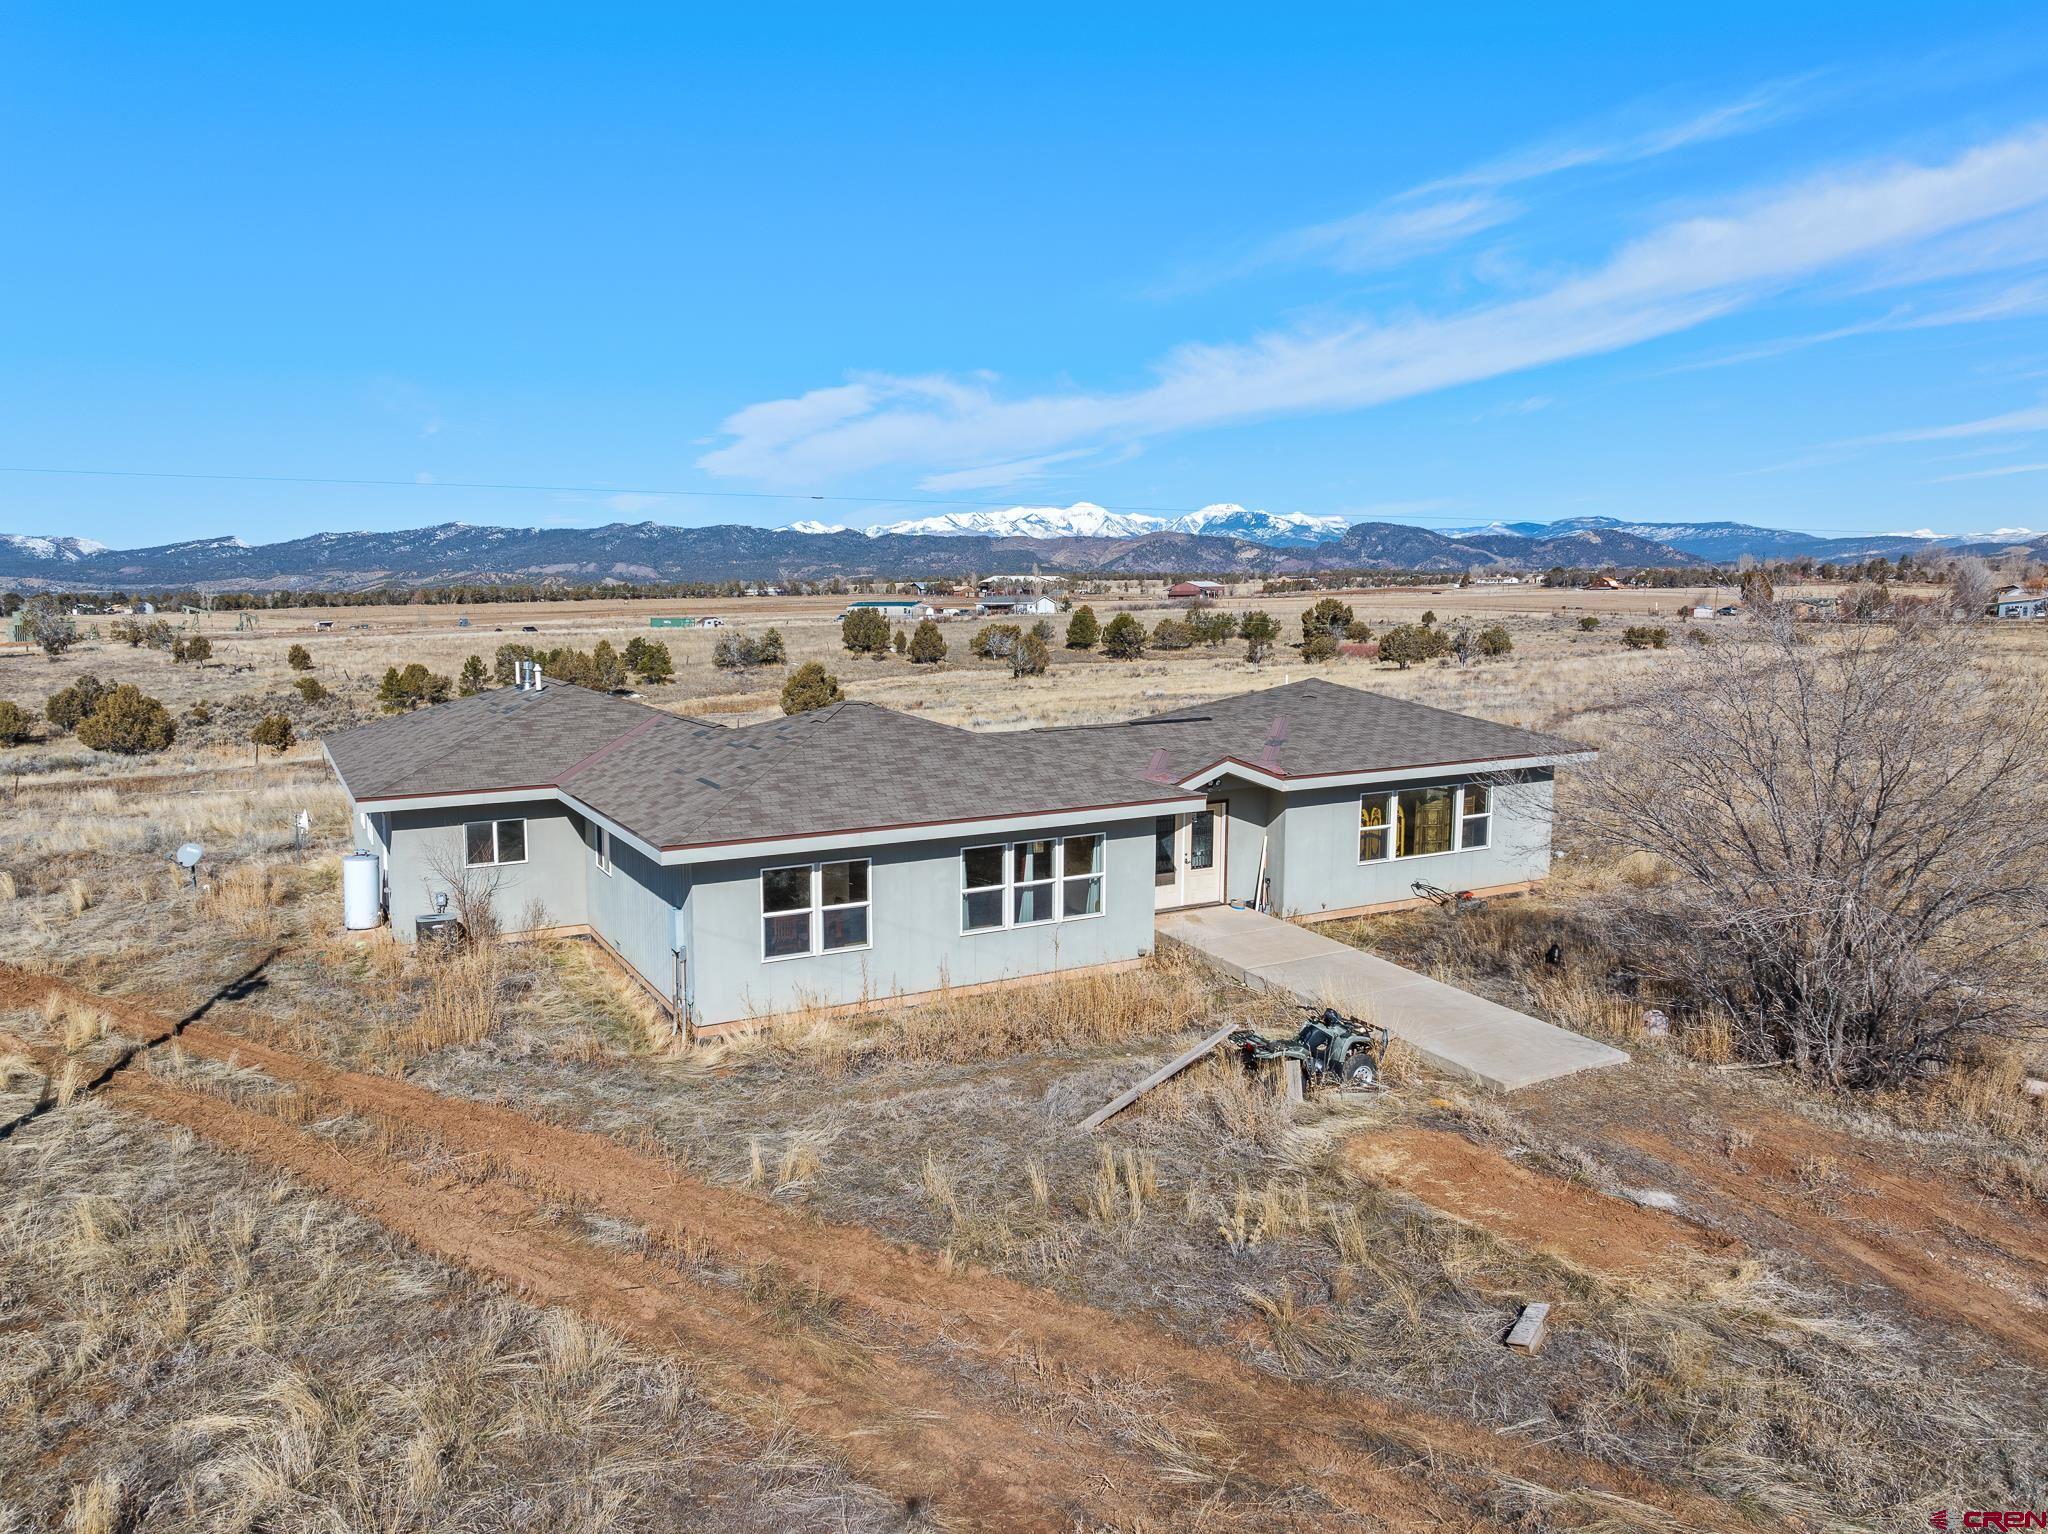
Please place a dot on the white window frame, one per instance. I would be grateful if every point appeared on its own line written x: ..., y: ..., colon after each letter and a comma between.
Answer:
x: 525, y: 842
x: 816, y: 911
x: 1389, y: 796
x: 601, y: 851
x: 1057, y: 883
x: 1467, y: 816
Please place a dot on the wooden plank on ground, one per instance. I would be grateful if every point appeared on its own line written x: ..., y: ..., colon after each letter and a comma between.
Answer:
x: 1530, y: 1327
x: 1165, y: 1072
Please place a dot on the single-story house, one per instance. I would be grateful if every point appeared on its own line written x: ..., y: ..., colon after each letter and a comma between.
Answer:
x: 891, y: 607
x: 1006, y: 606
x: 854, y: 854
x: 2018, y: 602
x: 1181, y: 590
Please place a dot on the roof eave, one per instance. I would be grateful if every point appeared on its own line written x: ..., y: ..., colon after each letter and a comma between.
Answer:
x: 1286, y: 782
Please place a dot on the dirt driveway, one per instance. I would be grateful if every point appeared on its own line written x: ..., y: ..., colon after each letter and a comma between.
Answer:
x: 981, y: 1400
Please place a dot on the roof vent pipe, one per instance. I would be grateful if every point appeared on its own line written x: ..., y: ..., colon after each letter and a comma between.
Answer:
x: 538, y: 681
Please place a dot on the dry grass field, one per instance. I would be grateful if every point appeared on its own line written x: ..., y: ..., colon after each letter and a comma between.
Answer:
x: 299, y: 1232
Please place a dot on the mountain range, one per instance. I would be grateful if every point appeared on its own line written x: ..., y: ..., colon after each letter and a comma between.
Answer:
x: 1083, y: 540
x: 1084, y: 519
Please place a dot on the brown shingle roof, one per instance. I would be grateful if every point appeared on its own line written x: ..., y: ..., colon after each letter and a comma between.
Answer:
x: 679, y: 782
x: 1314, y: 727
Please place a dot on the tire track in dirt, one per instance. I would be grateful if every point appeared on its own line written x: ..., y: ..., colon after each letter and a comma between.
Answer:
x: 898, y: 1426
x: 892, y: 1422
x: 1575, y: 1224
x: 1308, y: 1436
x: 1932, y: 1245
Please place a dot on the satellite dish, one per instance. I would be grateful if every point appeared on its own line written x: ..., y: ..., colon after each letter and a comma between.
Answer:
x: 188, y: 856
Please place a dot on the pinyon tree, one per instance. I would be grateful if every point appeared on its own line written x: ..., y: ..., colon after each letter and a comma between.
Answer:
x: 1123, y: 638
x: 127, y: 722
x: 809, y: 686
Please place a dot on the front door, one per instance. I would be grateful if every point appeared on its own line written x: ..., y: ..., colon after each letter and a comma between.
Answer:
x: 1188, y: 855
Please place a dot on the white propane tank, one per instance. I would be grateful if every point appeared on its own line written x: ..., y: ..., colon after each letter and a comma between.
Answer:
x: 362, y: 891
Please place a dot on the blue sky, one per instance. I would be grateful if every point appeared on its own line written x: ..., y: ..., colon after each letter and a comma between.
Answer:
x: 1785, y: 268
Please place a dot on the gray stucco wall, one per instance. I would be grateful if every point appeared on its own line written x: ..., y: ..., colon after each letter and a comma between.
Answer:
x: 633, y: 909
x: 915, y: 927
x: 1322, y: 871
x: 552, y: 875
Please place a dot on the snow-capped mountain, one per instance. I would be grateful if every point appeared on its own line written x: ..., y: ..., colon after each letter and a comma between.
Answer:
x: 50, y: 548
x: 813, y: 527
x: 1084, y: 519
x: 1229, y: 520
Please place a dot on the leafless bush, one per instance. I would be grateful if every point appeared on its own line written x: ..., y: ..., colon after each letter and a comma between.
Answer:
x: 472, y: 889
x: 1856, y: 830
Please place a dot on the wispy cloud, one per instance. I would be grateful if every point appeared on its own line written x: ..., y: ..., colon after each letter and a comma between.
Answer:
x: 2000, y: 473
x: 1514, y: 407
x: 2032, y: 418
x: 995, y: 476
x: 1672, y: 279
x: 1446, y: 212
x: 2005, y: 303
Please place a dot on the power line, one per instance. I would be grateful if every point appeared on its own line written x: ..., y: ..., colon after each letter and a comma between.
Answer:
x: 731, y: 495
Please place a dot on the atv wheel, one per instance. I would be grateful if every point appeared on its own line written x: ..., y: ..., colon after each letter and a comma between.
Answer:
x: 1361, y: 1073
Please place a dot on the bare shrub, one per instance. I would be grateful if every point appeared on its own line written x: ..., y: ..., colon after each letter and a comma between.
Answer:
x: 1855, y: 828
x: 472, y: 888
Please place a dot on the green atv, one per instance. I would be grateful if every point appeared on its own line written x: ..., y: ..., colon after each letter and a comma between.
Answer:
x: 1334, y: 1050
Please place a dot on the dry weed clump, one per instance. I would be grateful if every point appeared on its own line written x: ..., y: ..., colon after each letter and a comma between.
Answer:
x: 464, y: 1004
x: 1159, y: 998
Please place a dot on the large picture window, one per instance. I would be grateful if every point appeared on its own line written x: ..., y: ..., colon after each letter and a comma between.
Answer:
x: 490, y: 843
x: 1421, y: 822
x: 814, y: 908
x: 1027, y: 884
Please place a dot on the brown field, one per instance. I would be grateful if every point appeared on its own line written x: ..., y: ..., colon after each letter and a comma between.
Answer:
x: 299, y: 1232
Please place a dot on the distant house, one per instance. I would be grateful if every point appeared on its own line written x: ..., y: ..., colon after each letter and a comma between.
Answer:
x: 1603, y: 583
x: 853, y: 855
x: 2018, y: 602
x: 890, y: 607
x: 321, y: 625
x: 1182, y: 590
x: 1008, y: 605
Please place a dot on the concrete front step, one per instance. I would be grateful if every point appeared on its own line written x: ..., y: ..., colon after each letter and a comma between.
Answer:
x: 1469, y: 1035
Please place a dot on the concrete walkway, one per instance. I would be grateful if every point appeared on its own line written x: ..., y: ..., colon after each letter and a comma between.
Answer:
x: 1461, y: 1032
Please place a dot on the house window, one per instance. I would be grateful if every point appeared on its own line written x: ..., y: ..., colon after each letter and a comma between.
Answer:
x: 489, y: 843
x: 1420, y: 822
x: 1475, y: 816
x: 1032, y: 865
x: 1081, y: 877
x: 1372, y: 828
x: 1425, y: 821
x: 981, y: 888
x: 1027, y: 884
x: 814, y: 908
x: 601, y: 849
